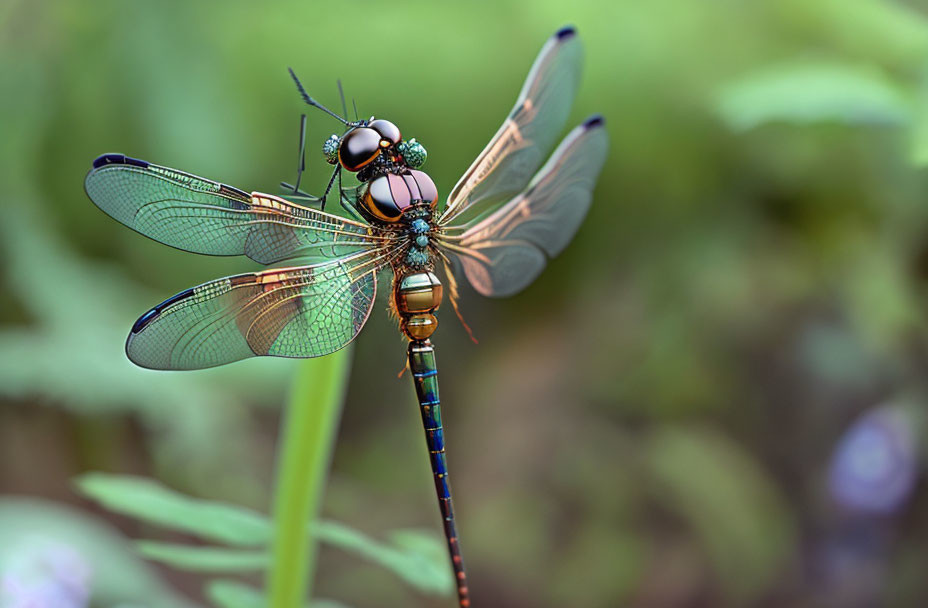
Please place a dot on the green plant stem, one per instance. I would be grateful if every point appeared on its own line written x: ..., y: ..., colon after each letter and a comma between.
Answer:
x: 308, y: 429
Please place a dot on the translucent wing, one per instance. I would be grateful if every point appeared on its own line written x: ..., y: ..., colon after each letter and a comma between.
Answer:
x: 525, y: 139
x: 203, y: 216
x: 503, y: 253
x: 306, y: 311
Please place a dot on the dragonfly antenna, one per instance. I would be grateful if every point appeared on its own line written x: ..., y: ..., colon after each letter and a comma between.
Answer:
x: 355, y: 109
x: 341, y: 93
x: 309, y: 100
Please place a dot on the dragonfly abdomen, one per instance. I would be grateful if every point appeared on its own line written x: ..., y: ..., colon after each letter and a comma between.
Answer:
x: 416, y: 297
x: 425, y: 375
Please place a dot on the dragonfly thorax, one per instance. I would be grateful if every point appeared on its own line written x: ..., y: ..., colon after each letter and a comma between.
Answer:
x: 417, y: 256
x: 389, y: 197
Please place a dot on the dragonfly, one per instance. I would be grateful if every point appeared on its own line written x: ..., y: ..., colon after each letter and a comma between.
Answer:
x: 518, y: 205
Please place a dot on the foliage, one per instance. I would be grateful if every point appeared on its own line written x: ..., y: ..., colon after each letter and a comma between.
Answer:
x: 39, y: 360
x: 806, y: 93
x: 415, y: 557
x: 853, y: 86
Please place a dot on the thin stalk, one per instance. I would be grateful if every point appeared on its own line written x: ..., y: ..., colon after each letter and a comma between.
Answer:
x: 309, y: 426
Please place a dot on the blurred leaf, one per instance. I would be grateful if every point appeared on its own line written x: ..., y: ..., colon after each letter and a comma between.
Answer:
x: 806, y: 93
x: 203, y: 559
x: 417, y: 557
x: 424, y: 543
x: 151, y: 502
x: 895, y: 33
x: 728, y: 502
x: 233, y: 594
x: 66, y: 542
x: 424, y: 560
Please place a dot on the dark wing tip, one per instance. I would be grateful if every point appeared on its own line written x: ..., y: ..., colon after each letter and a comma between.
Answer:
x: 117, y: 159
x: 568, y: 31
x: 144, y: 320
x: 596, y: 120
x: 155, y: 312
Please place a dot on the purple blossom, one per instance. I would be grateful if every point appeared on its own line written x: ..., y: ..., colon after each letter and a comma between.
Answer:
x: 873, y: 468
x: 43, y: 573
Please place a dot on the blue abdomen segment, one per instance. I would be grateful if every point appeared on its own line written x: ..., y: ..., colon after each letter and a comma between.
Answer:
x: 425, y: 376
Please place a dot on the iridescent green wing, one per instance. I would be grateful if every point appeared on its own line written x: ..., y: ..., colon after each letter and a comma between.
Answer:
x: 203, y: 216
x: 527, y: 136
x: 306, y: 311
x: 504, y: 252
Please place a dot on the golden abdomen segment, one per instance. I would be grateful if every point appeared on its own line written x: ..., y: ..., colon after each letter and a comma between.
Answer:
x: 417, y: 296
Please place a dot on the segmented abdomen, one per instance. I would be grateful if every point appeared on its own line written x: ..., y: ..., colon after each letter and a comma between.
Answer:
x: 425, y: 375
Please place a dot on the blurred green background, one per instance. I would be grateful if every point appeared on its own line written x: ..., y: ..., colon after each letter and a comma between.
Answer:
x: 714, y: 397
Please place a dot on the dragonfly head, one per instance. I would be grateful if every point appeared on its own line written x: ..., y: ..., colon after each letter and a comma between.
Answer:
x: 361, y: 145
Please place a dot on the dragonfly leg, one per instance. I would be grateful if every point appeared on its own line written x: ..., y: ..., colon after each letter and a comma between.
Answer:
x: 346, y: 203
x: 347, y: 206
x: 328, y: 188
x: 293, y: 191
x: 302, y: 162
x: 300, y: 195
x: 301, y: 157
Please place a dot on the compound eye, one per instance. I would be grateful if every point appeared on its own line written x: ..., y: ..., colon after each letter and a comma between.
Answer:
x: 389, y: 132
x: 358, y: 148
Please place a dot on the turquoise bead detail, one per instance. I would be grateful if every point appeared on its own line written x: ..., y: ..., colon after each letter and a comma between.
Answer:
x: 330, y: 149
x: 417, y: 257
x: 413, y: 153
x: 422, y: 241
